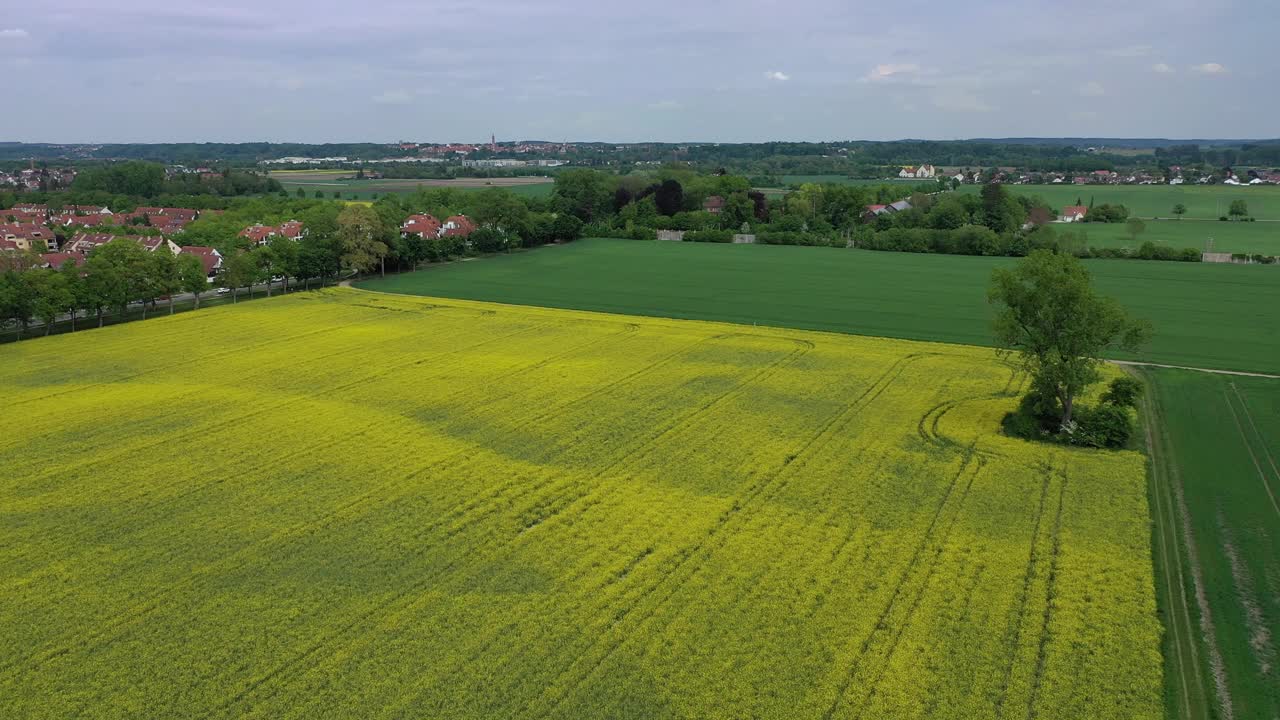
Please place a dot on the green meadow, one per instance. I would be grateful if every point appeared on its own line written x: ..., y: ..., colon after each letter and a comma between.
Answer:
x: 1205, y: 315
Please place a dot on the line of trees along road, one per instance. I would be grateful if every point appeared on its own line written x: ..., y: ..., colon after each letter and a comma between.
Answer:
x: 338, y: 241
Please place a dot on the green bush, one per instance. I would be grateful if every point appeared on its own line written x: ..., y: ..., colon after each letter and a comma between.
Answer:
x: 1104, y: 426
x: 1123, y: 392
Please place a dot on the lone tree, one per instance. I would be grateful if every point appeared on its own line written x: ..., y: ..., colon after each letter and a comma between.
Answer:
x: 1051, y: 317
x: 1179, y: 210
x: 1135, y: 227
x: 1239, y: 209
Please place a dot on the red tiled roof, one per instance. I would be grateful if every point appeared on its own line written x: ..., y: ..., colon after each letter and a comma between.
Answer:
x: 714, y: 201
x: 1071, y: 210
x: 209, y: 257
x: 424, y: 225
x: 459, y: 225
x: 291, y: 229
x: 85, y: 220
x: 257, y: 233
x: 84, y: 242
x: 58, y: 259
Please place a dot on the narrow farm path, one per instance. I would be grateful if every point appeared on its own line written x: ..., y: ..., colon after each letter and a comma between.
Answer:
x: 1131, y: 363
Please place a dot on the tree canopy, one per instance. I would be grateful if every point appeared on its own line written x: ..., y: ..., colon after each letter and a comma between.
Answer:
x: 1052, y: 319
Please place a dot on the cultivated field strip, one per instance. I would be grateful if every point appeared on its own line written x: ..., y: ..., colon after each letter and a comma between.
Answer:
x: 401, y: 507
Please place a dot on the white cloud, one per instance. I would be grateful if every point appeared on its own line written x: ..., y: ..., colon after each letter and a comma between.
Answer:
x: 1209, y: 68
x: 1037, y: 91
x: 1092, y: 88
x: 393, y: 97
x: 777, y: 75
x: 665, y: 105
x: 1161, y: 68
x: 884, y: 71
x: 14, y: 34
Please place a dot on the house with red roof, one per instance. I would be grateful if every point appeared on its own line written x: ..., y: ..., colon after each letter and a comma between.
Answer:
x: 423, y: 225
x: 291, y: 230
x: 87, y: 210
x: 70, y: 220
x: 56, y: 260
x: 713, y: 204
x: 22, y: 216
x: 1073, y: 213
x: 258, y: 234
x: 458, y: 225
x: 209, y: 257
x: 26, y: 234
x: 86, y: 243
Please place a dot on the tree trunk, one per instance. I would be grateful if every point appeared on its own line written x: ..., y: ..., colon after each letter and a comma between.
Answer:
x: 73, y: 321
x: 197, y: 300
x: 268, y: 287
x: 171, y: 304
x: 48, y: 326
x: 235, y: 295
x: 383, y: 269
x: 1068, y: 401
x: 99, y: 317
x: 144, y: 309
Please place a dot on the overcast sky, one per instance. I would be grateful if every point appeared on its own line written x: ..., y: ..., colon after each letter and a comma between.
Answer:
x: 669, y: 70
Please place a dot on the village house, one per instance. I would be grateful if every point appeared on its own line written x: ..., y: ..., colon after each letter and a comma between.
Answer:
x: 422, y: 225
x: 458, y: 225
x: 209, y: 257
x: 25, y: 235
x: 1073, y: 213
x: 291, y: 229
x: 258, y: 234
x: 713, y: 204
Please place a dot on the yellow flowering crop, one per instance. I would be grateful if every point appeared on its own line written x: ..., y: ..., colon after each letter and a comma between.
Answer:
x: 347, y: 504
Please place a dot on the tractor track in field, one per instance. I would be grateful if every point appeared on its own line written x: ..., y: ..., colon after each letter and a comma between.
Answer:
x: 1175, y: 554
x: 926, y: 538
x: 1248, y: 445
x: 208, y: 427
x: 766, y: 488
x: 195, y: 488
x: 1055, y: 548
x: 1028, y: 580
x: 129, y: 618
x: 383, y: 608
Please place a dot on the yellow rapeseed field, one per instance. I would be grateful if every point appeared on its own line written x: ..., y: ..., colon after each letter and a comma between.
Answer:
x: 344, y: 504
